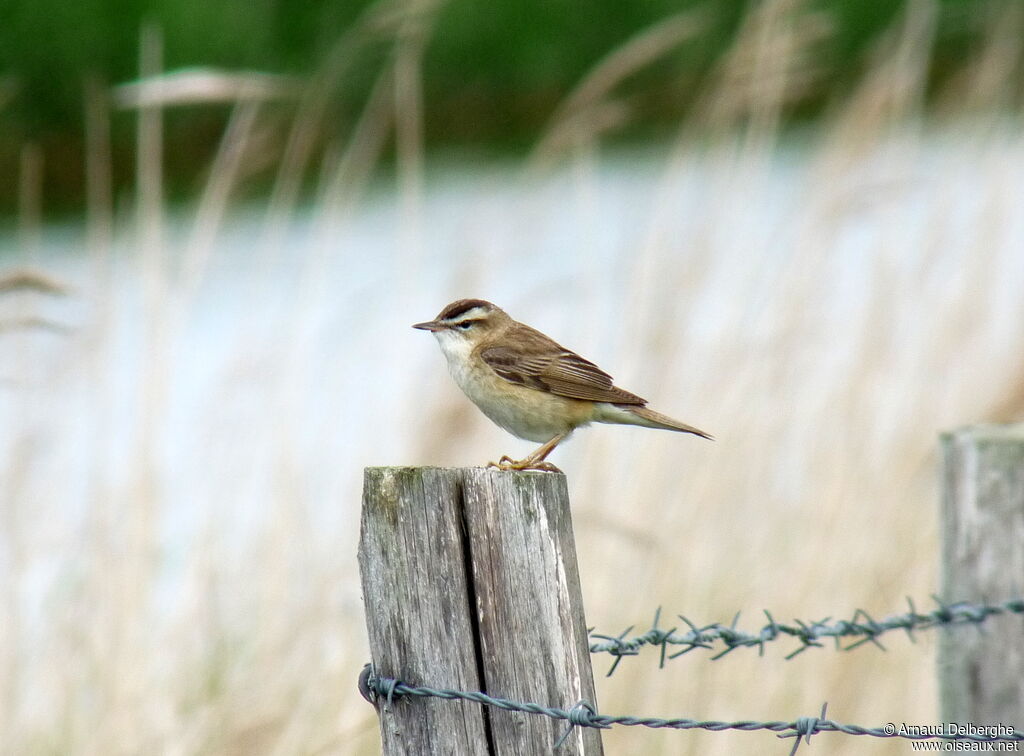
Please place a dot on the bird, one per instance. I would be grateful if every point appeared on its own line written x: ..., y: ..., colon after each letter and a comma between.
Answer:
x: 530, y: 385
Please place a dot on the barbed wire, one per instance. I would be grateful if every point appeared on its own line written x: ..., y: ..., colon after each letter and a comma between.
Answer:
x: 376, y: 689
x: 810, y: 634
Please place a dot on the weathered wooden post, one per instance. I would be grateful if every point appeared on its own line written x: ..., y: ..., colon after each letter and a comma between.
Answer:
x: 470, y: 582
x: 981, y: 674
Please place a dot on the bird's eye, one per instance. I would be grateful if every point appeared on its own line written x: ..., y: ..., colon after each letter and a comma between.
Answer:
x: 464, y: 324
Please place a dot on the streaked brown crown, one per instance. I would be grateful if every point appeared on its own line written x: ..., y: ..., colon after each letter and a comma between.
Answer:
x: 462, y: 306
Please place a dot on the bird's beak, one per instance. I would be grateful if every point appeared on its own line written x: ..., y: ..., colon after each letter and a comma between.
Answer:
x: 430, y: 325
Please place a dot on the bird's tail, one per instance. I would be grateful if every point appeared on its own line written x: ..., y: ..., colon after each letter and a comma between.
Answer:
x: 651, y: 419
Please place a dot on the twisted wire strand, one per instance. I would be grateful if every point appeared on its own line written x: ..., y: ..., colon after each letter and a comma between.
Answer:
x: 381, y: 690
x: 862, y: 627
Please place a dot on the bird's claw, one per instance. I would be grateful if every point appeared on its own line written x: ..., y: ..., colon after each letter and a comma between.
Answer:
x: 543, y: 466
x: 507, y: 463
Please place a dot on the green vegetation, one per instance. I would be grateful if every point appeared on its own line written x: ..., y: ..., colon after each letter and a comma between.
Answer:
x: 493, y: 73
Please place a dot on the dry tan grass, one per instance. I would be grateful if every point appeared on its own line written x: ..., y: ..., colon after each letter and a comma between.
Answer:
x: 180, y: 569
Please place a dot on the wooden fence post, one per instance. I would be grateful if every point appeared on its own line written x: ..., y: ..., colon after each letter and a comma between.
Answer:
x: 470, y: 582
x: 981, y: 674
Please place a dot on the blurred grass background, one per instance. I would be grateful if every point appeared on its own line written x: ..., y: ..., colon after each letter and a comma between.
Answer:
x: 796, y: 224
x: 493, y: 73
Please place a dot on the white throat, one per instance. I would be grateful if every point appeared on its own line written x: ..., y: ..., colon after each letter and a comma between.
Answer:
x: 456, y: 351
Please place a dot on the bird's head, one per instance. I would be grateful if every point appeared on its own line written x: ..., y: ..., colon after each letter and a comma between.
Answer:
x: 466, y: 323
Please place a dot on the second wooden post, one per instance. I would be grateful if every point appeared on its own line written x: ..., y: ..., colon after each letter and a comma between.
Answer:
x: 981, y: 674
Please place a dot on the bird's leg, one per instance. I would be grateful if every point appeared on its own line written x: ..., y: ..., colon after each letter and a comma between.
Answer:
x: 541, y: 454
x: 535, y: 461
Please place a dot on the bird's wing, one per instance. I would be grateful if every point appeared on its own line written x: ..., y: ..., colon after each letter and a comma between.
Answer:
x: 539, y: 363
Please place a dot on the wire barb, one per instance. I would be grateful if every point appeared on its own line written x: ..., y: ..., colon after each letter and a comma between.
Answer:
x: 580, y: 715
x: 804, y: 727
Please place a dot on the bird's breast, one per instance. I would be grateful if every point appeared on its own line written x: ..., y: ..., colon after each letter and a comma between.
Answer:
x: 524, y: 412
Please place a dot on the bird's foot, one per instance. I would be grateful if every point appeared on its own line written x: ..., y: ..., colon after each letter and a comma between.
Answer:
x: 507, y: 463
